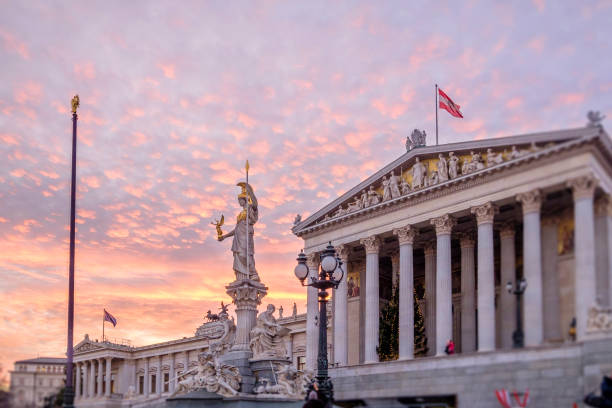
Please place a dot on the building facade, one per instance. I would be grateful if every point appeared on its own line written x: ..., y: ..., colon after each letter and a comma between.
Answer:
x: 115, y: 374
x: 450, y: 226
x: 35, y: 379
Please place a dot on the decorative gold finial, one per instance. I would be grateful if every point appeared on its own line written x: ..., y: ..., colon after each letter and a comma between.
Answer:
x: 75, y: 103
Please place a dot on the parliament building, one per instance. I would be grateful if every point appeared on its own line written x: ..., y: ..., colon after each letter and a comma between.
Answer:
x: 443, y: 237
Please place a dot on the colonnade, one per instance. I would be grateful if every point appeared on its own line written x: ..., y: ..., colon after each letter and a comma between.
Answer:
x: 90, y: 373
x: 541, y: 303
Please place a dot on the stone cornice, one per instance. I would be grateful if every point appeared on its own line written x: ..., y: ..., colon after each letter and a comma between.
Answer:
x: 583, y: 187
x: 485, y: 213
x: 405, y: 235
x: 531, y: 201
x: 444, y: 224
x: 371, y: 244
x: 463, y: 182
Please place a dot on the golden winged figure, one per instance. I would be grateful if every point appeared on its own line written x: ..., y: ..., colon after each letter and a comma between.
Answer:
x: 218, y: 224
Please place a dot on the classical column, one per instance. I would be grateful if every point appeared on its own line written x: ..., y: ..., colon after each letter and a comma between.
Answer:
x: 583, y: 189
x: 172, y: 375
x: 508, y: 274
x: 100, y: 375
x: 158, y: 378
x: 85, y: 393
x: 92, y: 379
x: 430, y: 297
x: 551, y: 291
x: 468, y: 293
x: 372, y: 307
x: 533, y: 326
x: 312, y: 312
x: 405, y: 236
x: 444, y: 287
x: 146, y: 381
x: 77, y: 387
x: 107, y: 391
x: 603, y: 268
x: 341, y: 310
x: 486, y: 276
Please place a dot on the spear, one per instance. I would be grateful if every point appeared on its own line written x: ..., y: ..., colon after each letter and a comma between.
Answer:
x: 248, y: 197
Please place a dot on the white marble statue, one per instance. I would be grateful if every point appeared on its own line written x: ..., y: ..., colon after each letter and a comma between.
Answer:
x: 239, y: 244
x: 433, y: 178
x: 419, y: 173
x: 514, y: 153
x: 405, y: 186
x: 290, y: 382
x: 393, y: 185
x: 364, y: 199
x: 268, y: 337
x: 494, y: 158
x: 386, y: 188
x: 210, y: 375
x: 373, y: 196
x: 442, y: 168
x: 355, y: 205
x: 453, y: 165
x: 477, y: 163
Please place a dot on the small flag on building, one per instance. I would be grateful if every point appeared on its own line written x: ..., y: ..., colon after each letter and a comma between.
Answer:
x: 447, y: 104
x: 110, y: 318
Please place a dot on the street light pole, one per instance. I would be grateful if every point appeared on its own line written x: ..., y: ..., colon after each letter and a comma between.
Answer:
x: 518, y: 290
x: 329, y: 276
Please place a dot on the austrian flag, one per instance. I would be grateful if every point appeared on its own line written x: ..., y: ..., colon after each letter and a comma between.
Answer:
x: 447, y: 104
x: 110, y: 318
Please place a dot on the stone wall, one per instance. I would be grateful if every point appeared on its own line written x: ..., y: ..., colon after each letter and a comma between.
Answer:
x: 555, y: 376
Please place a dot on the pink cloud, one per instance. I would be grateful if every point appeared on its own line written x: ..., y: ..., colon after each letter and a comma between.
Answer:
x: 540, y: 5
x: 570, y: 98
x: 391, y: 110
x: 28, y: 92
x: 168, y: 70
x: 9, y: 139
x: 302, y: 85
x: 114, y: 174
x: 537, y: 43
x: 514, y: 103
x: 85, y: 70
x: 12, y: 44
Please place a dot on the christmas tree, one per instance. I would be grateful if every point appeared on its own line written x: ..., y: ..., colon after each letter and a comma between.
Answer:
x: 388, y: 333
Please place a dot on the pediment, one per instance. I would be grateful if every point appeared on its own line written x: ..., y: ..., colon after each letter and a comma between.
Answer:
x: 428, y: 168
x: 87, y: 346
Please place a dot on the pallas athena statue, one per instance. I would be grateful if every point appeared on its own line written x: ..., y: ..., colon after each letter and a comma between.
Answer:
x: 242, y: 245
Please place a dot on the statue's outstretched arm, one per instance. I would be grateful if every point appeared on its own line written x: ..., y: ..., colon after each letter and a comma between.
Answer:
x: 229, y: 234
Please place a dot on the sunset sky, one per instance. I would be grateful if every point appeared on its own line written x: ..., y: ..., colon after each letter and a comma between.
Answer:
x: 176, y: 95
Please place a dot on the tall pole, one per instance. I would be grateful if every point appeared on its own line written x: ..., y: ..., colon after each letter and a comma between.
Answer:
x: 436, y: 100
x: 248, y: 197
x: 325, y: 386
x: 102, y: 327
x: 69, y: 390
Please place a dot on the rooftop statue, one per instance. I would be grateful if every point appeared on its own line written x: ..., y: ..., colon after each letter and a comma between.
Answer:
x: 239, y: 244
x: 416, y: 139
x: 595, y: 118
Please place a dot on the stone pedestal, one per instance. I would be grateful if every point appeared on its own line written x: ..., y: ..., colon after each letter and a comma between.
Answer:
x: 268, y: 368
x: 246, y: 295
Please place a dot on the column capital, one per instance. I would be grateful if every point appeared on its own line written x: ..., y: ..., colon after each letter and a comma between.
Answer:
x: 531, y: 201
x: 550, y: 220
x: 343, y: 252
x: 507, y: 230
x: 466, y: 240
x: 405, y: 235
x: 485, y: 213
x: 444, y: 224
x: 583, y: 186
x: 371, y: 244
x: 603, y: 206
x: 313, y: 259
x: 430, y: 248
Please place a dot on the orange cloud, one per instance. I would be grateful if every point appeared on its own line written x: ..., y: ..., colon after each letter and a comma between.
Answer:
x: 168, y: 70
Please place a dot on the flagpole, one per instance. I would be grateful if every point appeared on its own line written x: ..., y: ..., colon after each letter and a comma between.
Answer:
x: 248, y: 272
x: 69, y: 390
x: 436, y: 100
x: 103, y: 327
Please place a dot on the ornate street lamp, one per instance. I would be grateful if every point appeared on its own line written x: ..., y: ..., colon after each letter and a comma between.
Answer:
x: 517, y: 290
x: 329, y: 276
